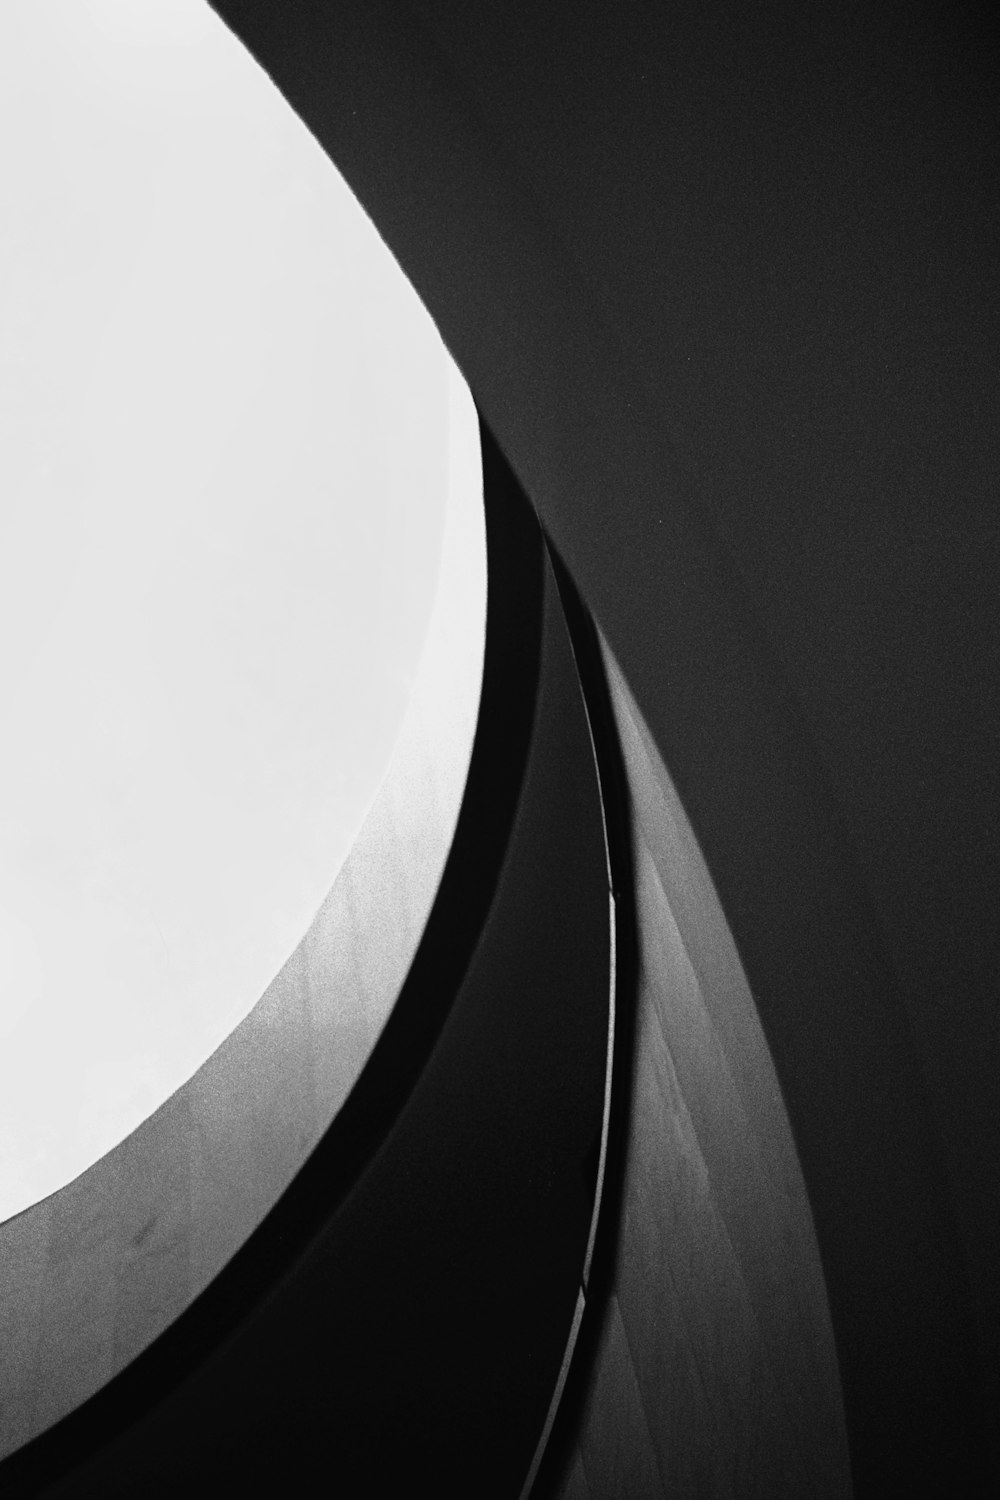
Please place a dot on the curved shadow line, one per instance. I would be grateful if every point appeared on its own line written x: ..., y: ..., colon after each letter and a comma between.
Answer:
x: 512, y: 659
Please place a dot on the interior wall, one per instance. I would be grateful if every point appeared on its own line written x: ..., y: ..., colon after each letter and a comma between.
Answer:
x: 420, y: 1273
x: 718, y: 277
x: 715, y: 1370
x: 92, y: 1274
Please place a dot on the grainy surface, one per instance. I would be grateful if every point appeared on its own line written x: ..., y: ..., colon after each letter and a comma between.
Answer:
x: 716, y: 1373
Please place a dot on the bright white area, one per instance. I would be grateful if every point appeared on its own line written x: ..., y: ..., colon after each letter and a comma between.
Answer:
x: 224, y: 462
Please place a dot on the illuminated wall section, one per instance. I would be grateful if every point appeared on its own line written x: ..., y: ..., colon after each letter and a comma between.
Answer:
x: 230, y: 439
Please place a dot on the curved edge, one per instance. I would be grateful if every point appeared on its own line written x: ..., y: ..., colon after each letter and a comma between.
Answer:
x: 589, y: 681
x: 93, y: 1273
x: 767, y: 1225
x: 773, y: 1389
x: 597, y: 1275
x: 473, y: 866
x: 499, y: 757
x: 571, y: 1357
x: 389, y: 100
x: 270, y: 1310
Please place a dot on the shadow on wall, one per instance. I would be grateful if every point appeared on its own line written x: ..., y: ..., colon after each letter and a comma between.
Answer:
x: 93, y: 1273
x: 420, y: 1273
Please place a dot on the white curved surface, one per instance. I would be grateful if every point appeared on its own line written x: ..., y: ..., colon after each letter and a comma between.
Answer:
x: 92, y: 1273
x: 223, y: 469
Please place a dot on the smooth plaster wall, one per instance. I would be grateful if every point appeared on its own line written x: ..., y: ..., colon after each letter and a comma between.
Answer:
x: 92, y: 1273
x: 223, y: 471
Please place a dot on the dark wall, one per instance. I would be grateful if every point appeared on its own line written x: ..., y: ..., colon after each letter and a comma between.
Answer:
x: 722, y: 280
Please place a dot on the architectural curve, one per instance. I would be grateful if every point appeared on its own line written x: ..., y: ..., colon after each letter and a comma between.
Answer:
x: 92, y: 1274
x: 420, y: 1272
x: 481, y: 148
x: 515, y: 160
